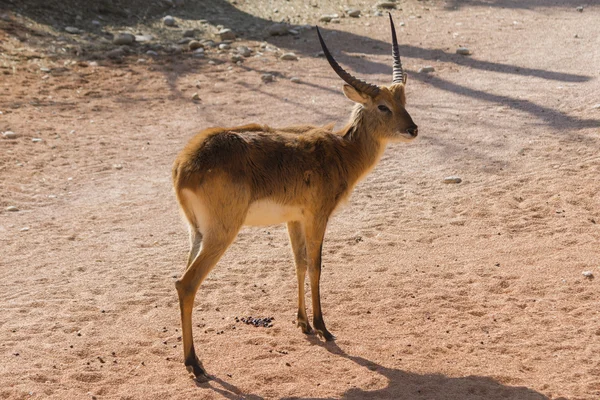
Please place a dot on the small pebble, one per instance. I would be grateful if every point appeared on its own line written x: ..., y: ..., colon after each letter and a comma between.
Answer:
x: 277, y: 30
x: 152, y: 53
x: 328, y: 17
x: 289, y: 57
x: 235, y: 58
x: 72, y: 30
x: 588, y: 274
x: 388, y: 5
x: 143, y: 38
x: 25, y: 229
x: 295, y: 79
x: 195, y: 96
x: 596, y: 106
x: 293, y: 32
x: 244, y: 51
x: 194, y: 44
x: 189, y: 33
x: 36, y: 140
x: 44, y: 69
x: 224, y: 46
x: 267, y: 78
x: 354, y: 13
x: 9, y: 135
x: 123, y: 38
x: 463, y: 51
x: 452, y: 179
x: 169, y: 21
x: 118, y: 166
x: 226, y: 34
x: 580, y: 8
x: 426, y: 69
x: 12, y: 208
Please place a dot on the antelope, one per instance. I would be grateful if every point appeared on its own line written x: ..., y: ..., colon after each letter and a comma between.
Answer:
x: 226, y: 178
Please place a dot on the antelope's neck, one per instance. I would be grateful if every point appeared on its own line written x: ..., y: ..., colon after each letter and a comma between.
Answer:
x: 364, y: 150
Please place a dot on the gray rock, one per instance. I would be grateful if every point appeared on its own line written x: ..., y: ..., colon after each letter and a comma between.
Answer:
x: 588, y: 274
x: 123, y: 38
x: 185, y: 40
x: 580, y: 8
x: 244, y: 51
x: 289, y: 57
x: 237, y: 58
x: 208, y: 43
x: 293, y: 32
x: 224, y: 46
x: 295, y: 79
x: 194, y: 45
x: 463, y: 51
x: 266, y: 78
x: 377, y: 13
x: 96, y: 23
x: 388, y: 5
x: 12, y: 208
x: 354, y: 13
x: 152, y: 53
x: 452, y: 179
x: 226, y: 34
x: 9, y: 135
x: 169, y: 21
x: 337, y: 21
x: 278, y: 30
x: 72, y: 30
x: 427, y: 69
x: 189, y: 33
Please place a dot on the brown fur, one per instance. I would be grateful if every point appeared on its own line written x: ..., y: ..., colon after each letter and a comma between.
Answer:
x: 223, y: 172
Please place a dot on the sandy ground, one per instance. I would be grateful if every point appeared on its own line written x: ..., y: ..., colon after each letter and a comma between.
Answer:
x: 434, y: 291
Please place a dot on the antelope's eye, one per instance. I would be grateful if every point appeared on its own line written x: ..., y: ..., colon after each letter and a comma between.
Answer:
x: 383, y: 108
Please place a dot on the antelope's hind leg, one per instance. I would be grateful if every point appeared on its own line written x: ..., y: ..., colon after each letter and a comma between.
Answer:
x: 296, y: 233
x: 205, y: 252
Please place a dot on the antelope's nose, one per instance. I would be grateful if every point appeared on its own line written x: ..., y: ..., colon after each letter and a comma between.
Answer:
x: 413, y: 131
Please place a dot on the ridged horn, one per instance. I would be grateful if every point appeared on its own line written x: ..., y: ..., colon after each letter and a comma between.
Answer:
x: 358, y: 84
x: 398, y: 73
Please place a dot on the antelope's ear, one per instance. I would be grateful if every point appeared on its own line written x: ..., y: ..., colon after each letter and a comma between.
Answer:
x: 355, y: 95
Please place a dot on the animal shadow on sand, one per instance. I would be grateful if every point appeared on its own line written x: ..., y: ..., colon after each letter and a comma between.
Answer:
x: 409, y: 386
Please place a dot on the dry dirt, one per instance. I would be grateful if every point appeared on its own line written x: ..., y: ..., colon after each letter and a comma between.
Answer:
x: 434, y: 291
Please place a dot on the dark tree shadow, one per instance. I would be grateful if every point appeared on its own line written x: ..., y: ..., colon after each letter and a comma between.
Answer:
x: 409, y: 386
x: 517, y: 4
x: 128, y: 14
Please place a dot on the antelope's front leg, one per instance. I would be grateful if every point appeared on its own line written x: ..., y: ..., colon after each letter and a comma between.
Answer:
x: 314, y: 244
x: 296, y: 233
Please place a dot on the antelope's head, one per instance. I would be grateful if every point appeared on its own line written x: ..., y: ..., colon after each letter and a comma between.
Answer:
x: 382, y: 106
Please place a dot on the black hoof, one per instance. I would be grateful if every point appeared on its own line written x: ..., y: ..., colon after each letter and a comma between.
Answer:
x: 194, y: 366
x: 326, y: 335
x: 306, y: 328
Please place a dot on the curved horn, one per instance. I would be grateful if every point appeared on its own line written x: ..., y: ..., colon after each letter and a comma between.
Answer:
x: 358, y: 84
x: 398, y: 73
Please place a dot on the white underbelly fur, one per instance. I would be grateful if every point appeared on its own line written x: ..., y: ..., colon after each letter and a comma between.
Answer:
x: 267, y: 212
x: 260, y: 213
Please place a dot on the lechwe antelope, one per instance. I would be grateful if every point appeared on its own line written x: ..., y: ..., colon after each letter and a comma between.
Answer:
x: 256, y: 175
